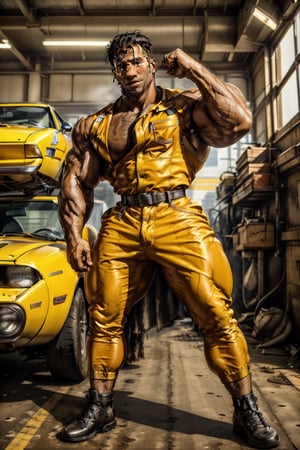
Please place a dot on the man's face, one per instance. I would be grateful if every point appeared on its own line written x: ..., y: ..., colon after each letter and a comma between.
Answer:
x: 134, y: 70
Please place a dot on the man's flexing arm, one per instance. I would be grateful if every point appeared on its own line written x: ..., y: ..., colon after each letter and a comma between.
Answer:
x: 221, y: 114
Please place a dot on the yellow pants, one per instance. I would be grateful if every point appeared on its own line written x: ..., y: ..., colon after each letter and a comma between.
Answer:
x: 178, y: 237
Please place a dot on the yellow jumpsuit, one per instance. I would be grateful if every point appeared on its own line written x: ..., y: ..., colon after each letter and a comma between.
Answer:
x: 175, y: 235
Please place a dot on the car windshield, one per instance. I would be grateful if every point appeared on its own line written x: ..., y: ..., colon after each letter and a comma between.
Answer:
x: 38, y: 217
x: 26, y: 115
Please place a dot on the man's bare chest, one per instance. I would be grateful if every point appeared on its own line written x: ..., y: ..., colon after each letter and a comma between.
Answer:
x: 120, y: 134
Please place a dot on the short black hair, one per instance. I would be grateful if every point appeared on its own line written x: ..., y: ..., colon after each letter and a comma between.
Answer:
x: 127, y: 39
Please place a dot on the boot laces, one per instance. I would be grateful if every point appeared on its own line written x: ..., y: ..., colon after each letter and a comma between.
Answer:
x: 87, y: 415
x: 254, y: 419
x: 89, y: 412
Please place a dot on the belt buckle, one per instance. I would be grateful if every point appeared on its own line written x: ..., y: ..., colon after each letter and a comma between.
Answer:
x: 144, y: 199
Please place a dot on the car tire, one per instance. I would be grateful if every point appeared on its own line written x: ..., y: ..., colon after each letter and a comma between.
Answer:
x: 67, y: 353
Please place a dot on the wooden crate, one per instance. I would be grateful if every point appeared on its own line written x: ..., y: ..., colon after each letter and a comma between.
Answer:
x: 256, y: 189
x: 255, y: 235
x: 226, y: 185
x: 289, y: 160
x: 252, y: 168
x: 249, y: 155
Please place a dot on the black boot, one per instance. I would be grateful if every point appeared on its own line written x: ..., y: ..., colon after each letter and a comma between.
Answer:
x: 97, y: 417
x: 248, y: 422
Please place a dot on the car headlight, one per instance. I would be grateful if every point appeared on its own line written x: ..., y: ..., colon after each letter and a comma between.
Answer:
x: 21, y: 276
x: 32, y: 151
x: 12, y: 320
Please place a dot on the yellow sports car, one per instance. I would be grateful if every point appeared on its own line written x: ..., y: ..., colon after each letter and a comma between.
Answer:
x: 34, y: 140
x: 42, y: 300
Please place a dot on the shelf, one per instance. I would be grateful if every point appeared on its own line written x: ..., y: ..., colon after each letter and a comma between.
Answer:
x: 256, y: 189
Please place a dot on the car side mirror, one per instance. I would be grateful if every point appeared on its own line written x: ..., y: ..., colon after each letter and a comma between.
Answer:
x: 66, y: 127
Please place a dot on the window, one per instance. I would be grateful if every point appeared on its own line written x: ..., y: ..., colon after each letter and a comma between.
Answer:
x: 286, y: 75
x: 288, y: 97
x: 285, y: 54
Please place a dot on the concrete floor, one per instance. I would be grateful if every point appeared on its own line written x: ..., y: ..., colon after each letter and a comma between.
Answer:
x: 168, y: 401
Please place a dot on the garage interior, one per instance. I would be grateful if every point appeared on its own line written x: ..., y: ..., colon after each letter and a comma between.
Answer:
x: 253, y: 199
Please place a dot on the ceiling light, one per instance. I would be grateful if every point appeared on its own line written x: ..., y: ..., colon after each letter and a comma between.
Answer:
x: 74, y: 43
x: 5, y: 44
x: 264, y: 18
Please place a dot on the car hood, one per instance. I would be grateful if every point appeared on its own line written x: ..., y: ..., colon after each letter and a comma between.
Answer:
x: 11, y: 249
x: 20, y: 134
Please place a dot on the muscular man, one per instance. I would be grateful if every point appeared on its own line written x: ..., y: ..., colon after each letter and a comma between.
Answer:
x: 149, y: 144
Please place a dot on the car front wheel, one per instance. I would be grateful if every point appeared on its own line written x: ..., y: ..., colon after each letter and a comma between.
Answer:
x: 67, y: 353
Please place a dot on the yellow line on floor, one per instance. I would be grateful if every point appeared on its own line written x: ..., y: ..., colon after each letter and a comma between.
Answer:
x: 35, y: 422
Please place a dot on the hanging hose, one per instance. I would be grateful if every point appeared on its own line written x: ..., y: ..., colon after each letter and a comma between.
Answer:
x: 267, y: 295
x: 284, y: 329
x: 281, y: 334
x: 246, y: 304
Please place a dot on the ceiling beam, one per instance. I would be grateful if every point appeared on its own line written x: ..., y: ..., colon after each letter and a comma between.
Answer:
x: 215, y: 30
x: 81, y: 7
x: 18, y: 54
x: 27, y: 13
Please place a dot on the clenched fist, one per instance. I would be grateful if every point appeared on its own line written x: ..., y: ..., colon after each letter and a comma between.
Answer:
x: 79, y: 255
x: 178, y: 63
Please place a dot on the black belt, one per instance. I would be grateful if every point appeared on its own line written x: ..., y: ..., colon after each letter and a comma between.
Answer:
x: 151, y: 198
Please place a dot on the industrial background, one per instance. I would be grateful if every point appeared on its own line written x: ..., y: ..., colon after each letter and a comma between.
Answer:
x: 251, y: 191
